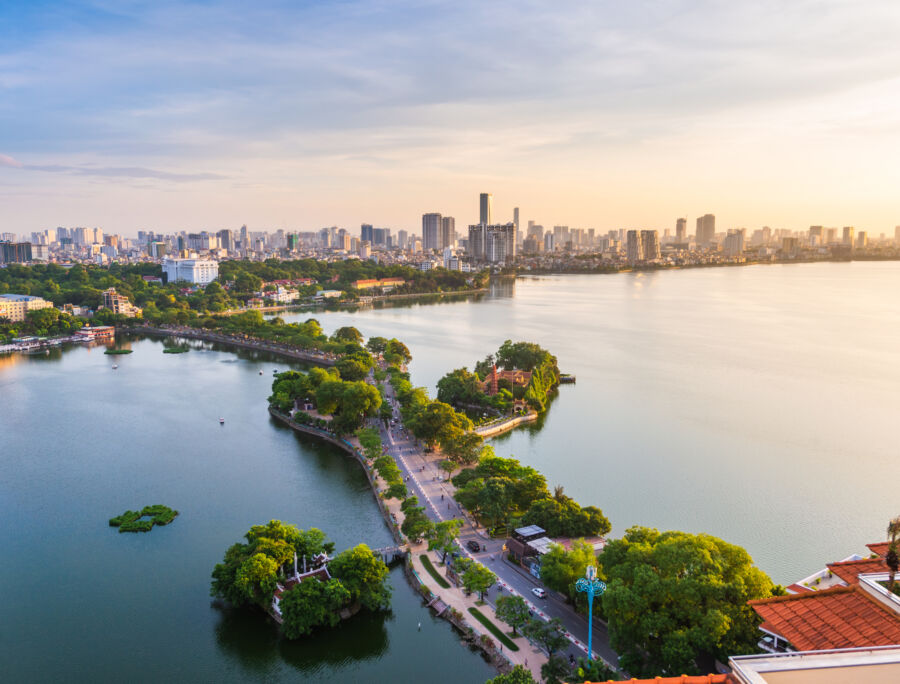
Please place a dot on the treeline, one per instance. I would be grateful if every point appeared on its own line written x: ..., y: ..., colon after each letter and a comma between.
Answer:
x: 340, y: 275
x: 250, y: 572
x: 505, y: 492
x: 41, y: 323
x: 464, y: 389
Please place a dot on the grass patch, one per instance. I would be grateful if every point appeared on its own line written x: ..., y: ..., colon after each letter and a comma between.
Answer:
x: 426, y: 561
x: 493, y: 629
x: 176, y: 350
x: 115, y: 352
x: 133, y: 521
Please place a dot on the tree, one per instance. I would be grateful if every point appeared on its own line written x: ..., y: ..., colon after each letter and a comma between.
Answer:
x: 891, y: 558
x: 555, y: 670
x: 478, y: 578
x: 312, y: 603
x: 347, y: 334
x: 674, y: 598
x: 448, y: 466
x: 518, y: 675
x: 363, y: 575
x: 396, y: 348
x: 593, y: 671
x: 513, y: 611
x: 416, y: 524
x: 442, y: 536
x: 560, y: 569
x: 548, y: 635
x: 256, y: 577
x: 461, y: 445
x: 376, y: 345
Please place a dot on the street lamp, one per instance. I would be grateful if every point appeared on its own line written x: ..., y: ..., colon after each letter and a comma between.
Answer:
x: 590, y: 585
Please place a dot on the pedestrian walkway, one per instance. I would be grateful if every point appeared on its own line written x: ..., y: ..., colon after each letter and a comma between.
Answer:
x: 528, y: 655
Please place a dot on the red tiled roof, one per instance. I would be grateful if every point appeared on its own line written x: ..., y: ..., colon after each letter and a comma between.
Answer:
x: 841, y: 617
x: 879, y: 548
x: 797, y: 588
x: 686, y: 679
x: 849, y: 571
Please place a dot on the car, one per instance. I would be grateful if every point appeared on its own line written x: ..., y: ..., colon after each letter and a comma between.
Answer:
x: 540, y: 593
x: 473, y: 546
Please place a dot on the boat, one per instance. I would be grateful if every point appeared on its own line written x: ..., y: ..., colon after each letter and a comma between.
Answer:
x: 260, y: 372
x: 115, y: 365
x: 221, y: 421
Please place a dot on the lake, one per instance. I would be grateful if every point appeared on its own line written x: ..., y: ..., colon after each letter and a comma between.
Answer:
x: 757, y: 404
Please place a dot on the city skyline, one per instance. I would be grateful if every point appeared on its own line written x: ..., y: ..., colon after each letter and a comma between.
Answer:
x: 187, y: 117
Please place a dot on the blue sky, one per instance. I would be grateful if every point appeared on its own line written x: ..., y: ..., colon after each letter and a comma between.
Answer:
x: 172, y: 115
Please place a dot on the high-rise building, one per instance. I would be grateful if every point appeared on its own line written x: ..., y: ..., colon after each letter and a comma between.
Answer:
x: 734, y: 242
x: 381, y: 237
x: 681, y: 230
x: 293, y: 242
x: 848, y: 235
x: 897, y: 235
x: 536, y: 230
x: 245, y: 241
x: 549, y: 245
x: 516, y: 222
x: 365, y: 249
x: 650, y: 244
x: 431, y: 231
x: 366, y: 232
x: 119, y: 304
x: 402, y: 239
x: 500, y: 243
x: 706, y: 229
x: 15, y: 252
x: 475, y: 247
x: 862, y: 239
x: 633, y: 247
x: 816, y: 235
x: 486, y: 202
x: 200, y: 271
x: 448, y: 231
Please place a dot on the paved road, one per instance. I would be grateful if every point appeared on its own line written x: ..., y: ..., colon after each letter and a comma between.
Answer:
x: 426, y: 481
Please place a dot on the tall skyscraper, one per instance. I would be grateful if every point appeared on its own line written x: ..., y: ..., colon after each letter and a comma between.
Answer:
x: 848, y: 235
x: 650, y: 244
x: 486, y: 208
x: 816, y: 235
x: 633, y: 248
x: 516, y: 223
x: 448, y: 231
x: 681, y: 230
x: 476, y: 241
x: 706, y: 229
x: 734, y: 242
x: 366, y: 232
x: 500, y: 243
x: 402, y: 239
x: 431, y: 231
x: 245, y: 241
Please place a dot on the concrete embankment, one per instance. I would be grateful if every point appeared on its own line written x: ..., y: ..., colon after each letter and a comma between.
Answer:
x: 498, y: 428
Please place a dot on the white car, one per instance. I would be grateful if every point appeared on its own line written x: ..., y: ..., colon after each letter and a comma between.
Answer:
x: 540, y: 593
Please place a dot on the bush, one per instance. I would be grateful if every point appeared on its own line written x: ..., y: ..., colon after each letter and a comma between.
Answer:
x: 133, y: 521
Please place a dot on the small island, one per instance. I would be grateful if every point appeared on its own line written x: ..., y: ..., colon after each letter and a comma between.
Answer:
x: 519, y: 378
x: 116, y: 352
x: 291, y: 574
x: 144, y: 519
x: 176, y: 350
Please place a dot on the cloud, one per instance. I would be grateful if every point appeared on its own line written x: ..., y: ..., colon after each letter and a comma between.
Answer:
x: 124, y: 172
x: 9, y: 161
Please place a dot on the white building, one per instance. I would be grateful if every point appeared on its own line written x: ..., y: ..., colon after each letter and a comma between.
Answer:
x: 199, y: 271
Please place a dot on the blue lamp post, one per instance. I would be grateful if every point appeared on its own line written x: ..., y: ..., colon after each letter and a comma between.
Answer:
x: 590, y: 585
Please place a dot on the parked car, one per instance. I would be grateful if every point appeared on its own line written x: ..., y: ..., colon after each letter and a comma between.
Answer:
x: 473, y: 546
x: 540, y: 593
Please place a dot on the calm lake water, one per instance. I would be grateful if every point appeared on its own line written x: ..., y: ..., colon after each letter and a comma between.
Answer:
x: 758, y: 404
x: 80, y: 602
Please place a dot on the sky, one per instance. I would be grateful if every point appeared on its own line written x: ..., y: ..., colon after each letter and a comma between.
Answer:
x: 596, y: 114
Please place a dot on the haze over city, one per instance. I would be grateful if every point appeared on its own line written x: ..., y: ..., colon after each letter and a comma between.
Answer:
x: 175, y: 116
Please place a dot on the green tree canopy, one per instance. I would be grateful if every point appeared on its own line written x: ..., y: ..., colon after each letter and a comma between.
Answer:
x: 674, y: 598
x: 311, y: 604
x: 513, y: 611
x: 478, y: 578
x: 363, y: 575
x: 442, y: 535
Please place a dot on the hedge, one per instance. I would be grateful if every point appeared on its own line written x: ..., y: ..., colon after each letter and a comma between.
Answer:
x: 426, y: 562
x: 493, y: 629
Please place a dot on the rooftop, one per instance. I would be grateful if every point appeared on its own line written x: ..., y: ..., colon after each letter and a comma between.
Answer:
x: 840, y: 617
x: 18, y: 298
x: 849, y: 571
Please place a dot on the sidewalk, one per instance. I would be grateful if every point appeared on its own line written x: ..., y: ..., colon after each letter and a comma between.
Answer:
x: 455, y: 598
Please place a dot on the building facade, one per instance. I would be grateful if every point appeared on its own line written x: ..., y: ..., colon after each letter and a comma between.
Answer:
x: 199, y: 271
x: 14, y: 307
